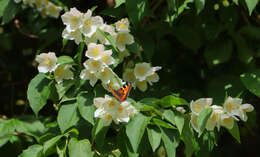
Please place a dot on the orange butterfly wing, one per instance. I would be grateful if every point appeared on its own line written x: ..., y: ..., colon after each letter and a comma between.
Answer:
x: 122, y: 93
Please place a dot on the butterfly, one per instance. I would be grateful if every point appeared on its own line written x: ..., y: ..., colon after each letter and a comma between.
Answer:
x: 122, y: 93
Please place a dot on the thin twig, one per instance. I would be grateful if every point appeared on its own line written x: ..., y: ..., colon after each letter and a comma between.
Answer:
x: 17, y: 25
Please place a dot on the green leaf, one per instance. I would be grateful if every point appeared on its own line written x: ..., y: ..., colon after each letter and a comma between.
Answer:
x: 199, y: 5
x: 38, y: 92
x: 50, y: 145
x: 218, y: 52
x: 169, y: 116
x: 251, y: 4
x: 86, y: 107
x: 236, y: 2
x: 203, y: 118
x: 252, y: 81
x: 136, y: 10
x: 162, y: 123
x: 154, y: 136
x: 65, y: 60
x: 110, y: 39
x: 61, y: 149
x: 189, y: 139
x: 170, y: 140
x: 124, y: 144
x: 179, y: 120
x: 3, y: 4
x: 171, y: 100
x: 67, y: 116
x: 7, y: 128
x: 32, y: 151
x: 235, y: 132
x: 119, y: 2
x: 29, y: 125
x: 10, y: 11
x: 135, y: 130
x: 63, y: 87
x: 80, y: 148
x: 98, y: 133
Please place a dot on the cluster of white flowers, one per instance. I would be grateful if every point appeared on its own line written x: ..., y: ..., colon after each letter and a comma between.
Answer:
x: 48, y: 63
x: 97, y: 66
x: 83, y: 27
x: 221, y: 116
x: 45, y: 7
x: 109, y: 109
x: 141, y: 74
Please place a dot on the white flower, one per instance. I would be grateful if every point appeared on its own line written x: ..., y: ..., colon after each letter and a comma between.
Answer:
x: 72, y: 19
x: 244, y: 109
x: 95, y: 51
x: 40, y: 4
x: 17, y: 1
x: 181, y: 109
x: 215, y: 118
x: 141, y: 85
x: 122, y: 25
x: 109, y: 109
x: 53, y: 10
x: 107, y: 58
x: 227, y: 121
x: 47, y: 62
x: 200, y: 104
x: 72, y: 35
x: 90, y: 24
x: 123, y: 39
x: 92, y: 39
x: 129, y: 75
x: 105, y: 75
x: 115, y: 83
x: 232, y: 106
x: 194, y: 122
x: 105, y: 28
x: 154, y: 77
x: 29, y: 2
x: 63, y: 72
x: 94, y: 66
x: 87, y: 75
x: 142, y: 71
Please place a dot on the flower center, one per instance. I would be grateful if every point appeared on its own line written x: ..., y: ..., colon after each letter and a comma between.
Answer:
x: 227, y: 120
x: 59, y: 71
x: 95, y: 64
x: 122, y: 25
x: 108, y: 116
x: 88, y: 23
x: 141, y: 71
x: 230, y: 107
x: 104, y: 73
x: 95, y: 52
x: 120, y: 109
x: 111, y: 103
x: 74, y: 19
x: 195, y: 120
x: 121, y: 38
x: 47, y: 61
x: 198, y: 107
x: 105, y: 58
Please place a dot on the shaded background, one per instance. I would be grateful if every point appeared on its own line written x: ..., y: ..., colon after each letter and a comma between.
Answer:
x: 201, y: 55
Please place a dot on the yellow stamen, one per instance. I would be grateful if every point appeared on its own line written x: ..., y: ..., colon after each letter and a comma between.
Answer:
x: 121, y: 38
